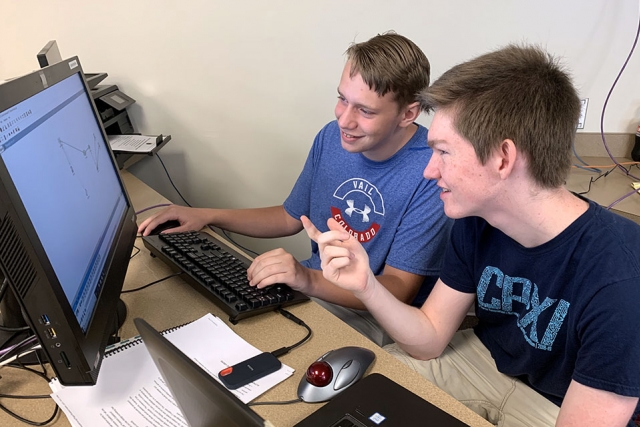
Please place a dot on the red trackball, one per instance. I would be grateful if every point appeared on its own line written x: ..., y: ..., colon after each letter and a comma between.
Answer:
x: 319, y: 374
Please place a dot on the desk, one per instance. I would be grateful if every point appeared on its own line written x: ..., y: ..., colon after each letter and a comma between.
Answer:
x: 173, y: 302
x: 607, y: 189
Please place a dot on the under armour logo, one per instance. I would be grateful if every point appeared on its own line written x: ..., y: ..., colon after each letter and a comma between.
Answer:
x: 364, y: 212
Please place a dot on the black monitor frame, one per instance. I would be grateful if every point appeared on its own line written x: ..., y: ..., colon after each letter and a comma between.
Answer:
x: 75, y: 356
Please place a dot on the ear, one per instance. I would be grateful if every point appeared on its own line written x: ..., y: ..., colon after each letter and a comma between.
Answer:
x: 409, y: 114
x: 505, y: 157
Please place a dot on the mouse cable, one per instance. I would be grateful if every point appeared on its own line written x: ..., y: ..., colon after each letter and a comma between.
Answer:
x: 286, y: 402
x: 284, y: 350
x: 152, y: 283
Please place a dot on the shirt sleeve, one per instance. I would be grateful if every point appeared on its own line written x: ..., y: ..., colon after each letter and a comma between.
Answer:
x: 419, y: 243
x: 298, y: 202
x: 457, y: 271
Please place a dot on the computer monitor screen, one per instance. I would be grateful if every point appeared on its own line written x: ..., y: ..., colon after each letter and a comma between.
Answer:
x: 66, y: 223
x: 49, y: 55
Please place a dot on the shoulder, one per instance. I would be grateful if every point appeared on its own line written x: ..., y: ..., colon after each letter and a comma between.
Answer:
x: 329, y: 131
x: 614, y: 236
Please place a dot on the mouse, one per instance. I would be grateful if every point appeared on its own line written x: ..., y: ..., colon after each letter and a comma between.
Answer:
x: 333, y: 373
x: 172, y: 223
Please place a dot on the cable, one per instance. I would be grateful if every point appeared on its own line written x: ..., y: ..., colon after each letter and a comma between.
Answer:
x: 604, y: 142
x: 188, y: 204
x: 152, y: 283
x: 20, y: 418
x: 16, y: 348
x: 171, y: 181
x: 285, y: 402
x: 135, y: 247
x: 611, y: 166
x: 161, y: 205
x: 17, y: 356
x: 284, y: 350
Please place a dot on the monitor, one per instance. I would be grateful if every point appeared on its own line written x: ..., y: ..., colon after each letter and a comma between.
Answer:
x: 67, y: 227
x: 49, y: 55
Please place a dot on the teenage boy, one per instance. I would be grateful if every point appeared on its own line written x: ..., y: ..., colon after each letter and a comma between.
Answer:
x: 555, y: 278
x: 363, y: 170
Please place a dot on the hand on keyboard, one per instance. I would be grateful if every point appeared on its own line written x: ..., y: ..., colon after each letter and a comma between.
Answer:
x: 278, y: 266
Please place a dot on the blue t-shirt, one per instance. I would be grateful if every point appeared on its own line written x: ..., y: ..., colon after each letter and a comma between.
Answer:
x: 394, y: 212
x: 567, y: 309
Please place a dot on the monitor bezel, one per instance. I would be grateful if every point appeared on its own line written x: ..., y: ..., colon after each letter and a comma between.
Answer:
x: 74, y: 355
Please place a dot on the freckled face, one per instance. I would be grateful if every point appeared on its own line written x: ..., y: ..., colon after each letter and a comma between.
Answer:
x: 466, y: 184
x: 368, y: 122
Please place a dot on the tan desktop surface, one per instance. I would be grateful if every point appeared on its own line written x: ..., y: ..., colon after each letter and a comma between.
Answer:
x: 174, y: 302
x: 607, y: 189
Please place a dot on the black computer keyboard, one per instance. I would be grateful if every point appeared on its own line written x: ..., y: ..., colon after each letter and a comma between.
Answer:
x: 219, y: 273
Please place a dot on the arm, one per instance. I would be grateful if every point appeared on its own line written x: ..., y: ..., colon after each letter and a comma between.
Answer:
x: 345, y: 263
x: 259, y: 222
x: 278, y: 266
x: 586, y: 406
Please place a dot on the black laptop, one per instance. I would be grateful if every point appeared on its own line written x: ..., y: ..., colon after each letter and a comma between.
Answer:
x: 373, y: 401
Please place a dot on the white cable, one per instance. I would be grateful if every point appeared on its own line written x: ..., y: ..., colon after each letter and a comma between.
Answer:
x: 31, y: 350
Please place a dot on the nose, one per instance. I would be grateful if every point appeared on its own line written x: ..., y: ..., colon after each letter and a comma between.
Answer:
x: 345, y: 116
x: 432, y: 170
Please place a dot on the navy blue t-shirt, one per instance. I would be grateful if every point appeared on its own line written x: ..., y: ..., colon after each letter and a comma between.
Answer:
x: 567, y: 309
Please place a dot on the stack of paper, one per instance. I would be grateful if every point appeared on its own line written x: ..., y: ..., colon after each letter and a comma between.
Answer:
x: 130, y: 390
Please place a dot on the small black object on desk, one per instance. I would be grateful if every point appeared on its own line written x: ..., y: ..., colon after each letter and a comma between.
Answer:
x: 635, y: 153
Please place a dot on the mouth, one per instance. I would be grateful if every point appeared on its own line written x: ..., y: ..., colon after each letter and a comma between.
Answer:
x: 445, y: 190
x: 348, y: 136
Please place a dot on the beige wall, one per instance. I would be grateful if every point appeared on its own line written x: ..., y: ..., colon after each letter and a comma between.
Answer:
x: 243, y: 86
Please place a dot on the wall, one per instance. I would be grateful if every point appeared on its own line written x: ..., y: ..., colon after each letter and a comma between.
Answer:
x: 243, y: 86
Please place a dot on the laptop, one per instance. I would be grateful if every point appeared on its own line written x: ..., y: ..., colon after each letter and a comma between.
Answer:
x: 374, y: 401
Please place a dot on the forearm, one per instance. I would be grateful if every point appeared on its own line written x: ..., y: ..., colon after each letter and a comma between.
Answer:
x: 258, y: 222
x: 409, y: 326
x: 404, y: 290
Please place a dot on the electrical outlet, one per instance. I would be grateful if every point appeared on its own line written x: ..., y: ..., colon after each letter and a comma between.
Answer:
x: 583, y: 112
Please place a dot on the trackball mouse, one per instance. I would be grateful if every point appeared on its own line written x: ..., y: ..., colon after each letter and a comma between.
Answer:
x: 334, y: 372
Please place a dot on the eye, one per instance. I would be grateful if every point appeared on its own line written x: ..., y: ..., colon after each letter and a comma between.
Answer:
x: 366, y: 112
x: 341, y: 98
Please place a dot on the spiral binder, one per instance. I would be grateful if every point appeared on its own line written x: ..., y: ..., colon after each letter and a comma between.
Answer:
x: 134, y: 341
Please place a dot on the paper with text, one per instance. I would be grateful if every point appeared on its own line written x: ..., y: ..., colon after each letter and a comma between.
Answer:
x: 131, y: 392
x: 132, y: 143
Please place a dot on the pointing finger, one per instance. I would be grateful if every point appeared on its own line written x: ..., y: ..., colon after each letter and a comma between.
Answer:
x: 311, y: 229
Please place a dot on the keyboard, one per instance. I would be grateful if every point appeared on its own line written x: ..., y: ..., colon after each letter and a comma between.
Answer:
x: 219, y: 273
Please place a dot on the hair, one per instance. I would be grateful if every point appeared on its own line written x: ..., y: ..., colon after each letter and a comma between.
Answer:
x: 520, y: 93
x: 392, y: 63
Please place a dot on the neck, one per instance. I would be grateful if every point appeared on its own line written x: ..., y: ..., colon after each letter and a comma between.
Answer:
x: 534, y: 217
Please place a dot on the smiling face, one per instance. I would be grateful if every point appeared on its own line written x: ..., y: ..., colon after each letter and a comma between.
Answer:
x: 369, y: 123
x: 467, y: 185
